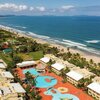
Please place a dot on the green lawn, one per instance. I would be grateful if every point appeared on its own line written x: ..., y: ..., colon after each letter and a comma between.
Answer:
x: 24, y: 56
x: 32, y: 55
x: 36, y: 55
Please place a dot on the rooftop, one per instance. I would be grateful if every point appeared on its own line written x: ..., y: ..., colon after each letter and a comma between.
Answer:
x: 95, y: 87
x: 57, y: 66
x: 6, y: 90
x: 83, y: 72
x: 26, y: 63
x: 45, y: 59
x: 7, y: 74
x: 75, y: 75
x: 17, y: 87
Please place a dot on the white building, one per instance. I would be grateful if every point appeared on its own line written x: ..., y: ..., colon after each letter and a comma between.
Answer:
x: 26, y: 64
x: 11, y: 91
x: 94, y: 90
x: 45, y: 59
x: 3, y: 65
x: 73, y: 77
x: 7, y: 75
x: 17, y: 88
x: 57, y: 67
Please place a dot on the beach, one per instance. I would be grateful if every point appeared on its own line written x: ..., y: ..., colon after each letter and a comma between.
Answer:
x: 88, y: 56
x: 84, y: 54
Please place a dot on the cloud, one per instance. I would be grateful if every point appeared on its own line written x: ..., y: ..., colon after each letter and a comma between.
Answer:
x: 41, y: 8
x: 67, y: 7
x: 31, y: 8
x: 12, y: 7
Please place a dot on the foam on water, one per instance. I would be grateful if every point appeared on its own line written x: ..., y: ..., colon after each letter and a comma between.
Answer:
x: 67, y: 43
x: 93, y: 41
x: 21, y: 27
x: 74, y: 43
x: 38, y: 36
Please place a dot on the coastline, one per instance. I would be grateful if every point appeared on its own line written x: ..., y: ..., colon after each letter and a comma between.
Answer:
x: 84, y: 54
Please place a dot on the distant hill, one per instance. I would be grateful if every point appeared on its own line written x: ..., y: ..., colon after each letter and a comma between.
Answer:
x: 6, y: 15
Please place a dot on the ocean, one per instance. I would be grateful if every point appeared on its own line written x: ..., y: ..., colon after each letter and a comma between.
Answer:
x: 80, y: 32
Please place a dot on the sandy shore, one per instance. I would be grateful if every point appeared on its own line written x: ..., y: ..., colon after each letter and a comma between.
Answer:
x: 88, y: 56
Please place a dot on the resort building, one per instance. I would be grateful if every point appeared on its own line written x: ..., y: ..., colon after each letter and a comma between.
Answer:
x: 7, y: 75
x: 17, y: 88
x: 26, y: 64
x: 69, y: 65
x: 58, y: 60
x: 57, y: 67
x: 96, y: 79
x: 73, y: 77
x: 11, y: 91
x: 94, y: 90
x: 77, y: 74
x: 45, y: 59
x: 3, y: 65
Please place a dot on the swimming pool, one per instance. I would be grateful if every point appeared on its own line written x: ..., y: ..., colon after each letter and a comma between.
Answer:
x: 32, y: 71
x: 41, y: 80
x: 59, y: 96
x: 42, y: 83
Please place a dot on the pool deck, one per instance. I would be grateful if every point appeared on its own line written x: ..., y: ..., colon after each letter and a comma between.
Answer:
x: 71, y: 89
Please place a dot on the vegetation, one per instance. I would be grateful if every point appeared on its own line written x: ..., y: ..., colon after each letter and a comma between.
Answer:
x: 28, y: 49
x: 30, y: 79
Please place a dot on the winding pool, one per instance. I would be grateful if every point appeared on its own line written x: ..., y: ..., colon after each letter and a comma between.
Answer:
x: 41, y: 80
x: 32, y: 71
x: 59, y: 96
x: 42, y: 83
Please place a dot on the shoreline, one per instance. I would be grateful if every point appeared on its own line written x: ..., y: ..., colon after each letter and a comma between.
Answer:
x: 84, y: 54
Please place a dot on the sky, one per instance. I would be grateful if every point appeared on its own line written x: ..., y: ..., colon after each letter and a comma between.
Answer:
x: 50, y: 7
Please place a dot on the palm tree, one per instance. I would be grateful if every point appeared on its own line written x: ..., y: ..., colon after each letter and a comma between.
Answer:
x: 30, y: 78
x: 91, y: 61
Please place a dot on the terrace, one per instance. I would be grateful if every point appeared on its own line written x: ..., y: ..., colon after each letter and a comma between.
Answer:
x: 54, y: 84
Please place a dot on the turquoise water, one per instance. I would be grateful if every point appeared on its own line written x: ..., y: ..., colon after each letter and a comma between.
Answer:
x: 41, y: 83
x: 40, y: 80
x: 58, y: 95
x: 32, y: 71
x: 78, y: 31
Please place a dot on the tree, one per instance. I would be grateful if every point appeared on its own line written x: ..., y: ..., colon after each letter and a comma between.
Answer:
x: 23, y: 49
x: 91, y: 61
x: 17, y: 59
x: 30, y: 78
x: 38, y: 97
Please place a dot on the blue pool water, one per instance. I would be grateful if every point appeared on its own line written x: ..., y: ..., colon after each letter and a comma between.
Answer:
x: 31, y: 70
x: 59, y: 96
x: 40, y: 80
x: 41, y: 83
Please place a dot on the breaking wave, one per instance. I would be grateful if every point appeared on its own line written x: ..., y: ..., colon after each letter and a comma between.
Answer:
x: 93, y: 41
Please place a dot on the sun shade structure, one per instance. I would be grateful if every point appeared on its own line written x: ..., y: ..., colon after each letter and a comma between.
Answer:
x: 74, y: 75
x: 57, y: 66
x: 17, y: 87
x: 7, y: 74
x: 26, y: 63
x: 45, y: 59
x: 95, y: 87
